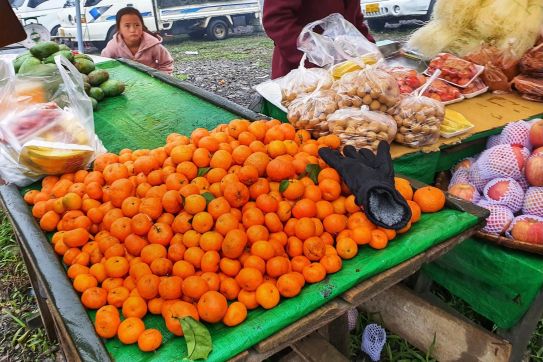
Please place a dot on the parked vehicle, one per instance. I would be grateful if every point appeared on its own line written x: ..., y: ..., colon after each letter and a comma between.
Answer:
x: 378, y: 12
x: 198, y: 18
x: 44, y: 12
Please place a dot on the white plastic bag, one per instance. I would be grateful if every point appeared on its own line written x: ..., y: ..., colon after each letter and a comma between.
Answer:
x: 339, y: 41
x: 310, y: 111
x: 52, y: 137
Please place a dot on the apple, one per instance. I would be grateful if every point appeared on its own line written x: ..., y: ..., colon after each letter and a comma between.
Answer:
x: 534, y: 170
x: 498, y: 191
x: 464, y: 164
x: 505, y: 191
x: 528, y: 228
x: 537, y: 151
x: 499, y: 220
x: 517, y: 150
x: 516, y: 134
x: 465, y: 191
x: 533, y: 202
x: 536, y: 134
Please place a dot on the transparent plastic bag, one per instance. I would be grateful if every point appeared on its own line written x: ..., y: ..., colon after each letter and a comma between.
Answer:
x: 310, y: 111
x: 529, y: 88
x: 301, y: 81
x: 339, y: 41
x: 361, y: 127
x: 419, y: 120
x: 408, y: 79
x: 372, y: 86
x: 48, y: 138
x: 532, y: 62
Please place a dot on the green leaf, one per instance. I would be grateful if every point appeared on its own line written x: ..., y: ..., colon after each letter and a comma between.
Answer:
x: 208, y: 196
x: 197, y: 337
x: 202, y: 171
x: 313, y: 172
x: 284, y: 185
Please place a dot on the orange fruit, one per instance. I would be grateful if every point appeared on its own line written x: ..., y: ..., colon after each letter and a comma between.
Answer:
x: 403, y: 186
x: 267, y: 295
x: 212, y: 306
x: 149, y: 340
x: 130, y: 330
x: 235, y: 314
x: 429, y: 199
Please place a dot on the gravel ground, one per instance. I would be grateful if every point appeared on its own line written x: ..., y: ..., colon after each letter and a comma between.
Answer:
x: 233, y: 66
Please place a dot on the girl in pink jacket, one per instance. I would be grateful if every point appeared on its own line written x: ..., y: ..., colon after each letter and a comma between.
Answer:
x: 134, y: 41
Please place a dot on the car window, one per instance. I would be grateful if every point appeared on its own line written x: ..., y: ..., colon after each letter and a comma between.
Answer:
x: 16, y: 3
x: 91, y: 2
x: 173, y: 3
x: 34, y: 3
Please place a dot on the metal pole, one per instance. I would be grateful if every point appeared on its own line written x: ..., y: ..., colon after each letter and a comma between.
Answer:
x: 78, y: 25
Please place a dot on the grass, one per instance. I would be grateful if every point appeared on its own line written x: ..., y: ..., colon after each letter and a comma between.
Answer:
x: 18, y: 304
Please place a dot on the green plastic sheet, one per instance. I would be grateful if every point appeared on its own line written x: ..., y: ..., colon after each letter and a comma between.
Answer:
x: 227, y: 342
x: 499, y: 284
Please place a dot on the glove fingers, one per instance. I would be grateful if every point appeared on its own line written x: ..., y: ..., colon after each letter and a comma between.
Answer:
x: 332, y: 157
x: 384, y: 159
x: 350, y: 151
x: 368, y: 156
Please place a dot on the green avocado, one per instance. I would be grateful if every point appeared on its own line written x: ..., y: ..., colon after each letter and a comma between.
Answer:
x: 84, y: 66
x: 96, y: 93
x: 44, y: 49
x: 65, y: 53
x: 112, y: 87
x: 97, y: 77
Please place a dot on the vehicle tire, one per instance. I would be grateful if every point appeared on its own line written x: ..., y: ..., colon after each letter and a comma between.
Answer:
x: 54, y: 31
x: 377, y: 24
x: 217, y: 29
x: 197, y: 34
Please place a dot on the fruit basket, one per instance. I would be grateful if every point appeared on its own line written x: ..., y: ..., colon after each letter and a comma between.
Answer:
x: 511, y: 243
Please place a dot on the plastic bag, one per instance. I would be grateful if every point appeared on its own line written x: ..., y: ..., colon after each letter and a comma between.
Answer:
x: 360, y: 127
x: 303, y: 80
x: 47, y: 138
x: 310, y: 111
x: 339, y: 41
x: 532, y: 62
x: 419, y: 120
x: 371, y: 86
x: 529, y: 88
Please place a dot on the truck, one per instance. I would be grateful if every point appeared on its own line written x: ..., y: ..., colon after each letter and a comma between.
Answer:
x: 43, y: 12
x: 197, y: 18
x: 377, y: 12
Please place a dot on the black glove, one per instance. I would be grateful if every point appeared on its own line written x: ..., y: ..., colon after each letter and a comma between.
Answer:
x: 371, y: 179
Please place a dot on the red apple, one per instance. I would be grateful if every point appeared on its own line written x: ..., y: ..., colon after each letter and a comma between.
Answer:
x: 464, y: 164
x: 536, y: 233
x: 520, y: 229
x: 533, y: 202
x: 498, y: 190
x: 534, y: 170
x: 537, y: 151
x: 529, y: 229
x: 517, y: 150
x: 536, y: 134
x: 499, y: 220
x: 464, y: 191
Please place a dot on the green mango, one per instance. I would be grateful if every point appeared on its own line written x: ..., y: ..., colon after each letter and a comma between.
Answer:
x: 38, y: 70
x: 44, y: 49
x: 84, y: 66
x: 64, y: 47
x: 94, y: 103
x: 83, y: 56
x: 65, y: 53
x: 17, y: 62
x: 87, y: 87
x: 97, y: 93
x: 112, y: 87
x: 85, y: 78
x: 29, y: 63
x: 98, y: 76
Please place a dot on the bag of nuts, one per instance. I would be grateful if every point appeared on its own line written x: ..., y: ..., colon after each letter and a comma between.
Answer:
x: 371, y: 86
x: 360, y: 127
x: 310, y: 111
x: 418, y: 119
x: 303, y: 80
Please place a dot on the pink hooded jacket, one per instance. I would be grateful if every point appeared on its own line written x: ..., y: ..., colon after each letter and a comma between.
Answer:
x: 151, y: 52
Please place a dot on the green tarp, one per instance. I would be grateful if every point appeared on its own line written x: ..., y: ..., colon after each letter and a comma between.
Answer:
x: 497, y: 282
x: 147, y: 112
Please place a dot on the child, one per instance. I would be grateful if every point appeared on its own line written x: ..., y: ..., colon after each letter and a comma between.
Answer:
x: 133, y: 41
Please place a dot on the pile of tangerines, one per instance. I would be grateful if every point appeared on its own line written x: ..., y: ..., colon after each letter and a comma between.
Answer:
x: 208, y: 226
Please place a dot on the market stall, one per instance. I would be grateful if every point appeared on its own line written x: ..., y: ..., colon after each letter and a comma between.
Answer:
x: 124, y: 122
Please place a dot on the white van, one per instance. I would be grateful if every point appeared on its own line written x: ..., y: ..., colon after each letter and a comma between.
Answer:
x: 198, y: 18
x: 44, y: 12
x: 377, y: 12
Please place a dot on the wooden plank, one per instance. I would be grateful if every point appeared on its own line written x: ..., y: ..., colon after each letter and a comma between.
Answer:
x: 240, y: 357
x: 315, y: 348
x: 418, y: 321
x: 339, y: 335
x: 304, y: 326
x: 292, y: 357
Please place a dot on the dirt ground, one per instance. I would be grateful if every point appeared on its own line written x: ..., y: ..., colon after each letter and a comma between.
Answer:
x: 233, y: 66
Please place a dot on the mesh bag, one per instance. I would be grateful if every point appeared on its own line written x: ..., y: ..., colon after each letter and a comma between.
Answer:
x: 523, y: 182
x: 465, y: 164
x: 476, y: 178
x: 494, y: 141
x: 360, y: 127
x: 502, y: 161
x: 352, y: 318
x: 373, y: 341
x: 506, y: 192
x: 533, y: 201
x: 516, y: 133
x: 520, y: 218
x: 465, y: 191
x: 483, y: 202
x: 309, y: 111
x: 419, y: 120
x: 460, y: 176
x: 499, y: 220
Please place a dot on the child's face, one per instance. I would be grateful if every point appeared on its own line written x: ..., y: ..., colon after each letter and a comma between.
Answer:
x: 131, y: 29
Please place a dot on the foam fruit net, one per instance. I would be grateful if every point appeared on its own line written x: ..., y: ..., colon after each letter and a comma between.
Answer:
x: 475, y: 177
x: 516, y: 133
x: 520, y: 218
x: 373, y: 341
x: 513, y: 198
x: 461, y: 176
x: 533, y: 202
x: 494, y: 141
x: 499, y: 161
x: 352, y: 318
x: 499, y: 219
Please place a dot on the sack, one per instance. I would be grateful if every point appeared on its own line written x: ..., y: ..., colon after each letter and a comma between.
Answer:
x: 338, y: 42
x: 310, y: 111
x: 49, y: 130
